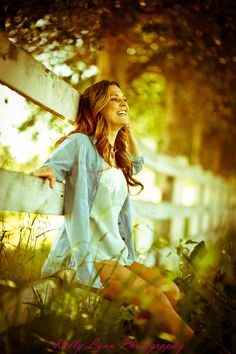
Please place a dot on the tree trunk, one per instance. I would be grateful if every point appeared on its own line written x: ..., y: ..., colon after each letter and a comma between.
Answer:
x: 169, y: 107
x: 196, y: 143
x: 112, y: 61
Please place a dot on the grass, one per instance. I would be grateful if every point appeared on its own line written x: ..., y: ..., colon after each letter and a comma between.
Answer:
x: 208, y: 284
x: 206, y: 277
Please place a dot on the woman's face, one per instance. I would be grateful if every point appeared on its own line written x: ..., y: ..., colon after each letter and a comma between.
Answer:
x: 116, y: 110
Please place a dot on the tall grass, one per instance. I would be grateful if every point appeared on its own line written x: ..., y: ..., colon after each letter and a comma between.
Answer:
x: 21, y: 256
x: 206, y: 277
x: 208, y: 284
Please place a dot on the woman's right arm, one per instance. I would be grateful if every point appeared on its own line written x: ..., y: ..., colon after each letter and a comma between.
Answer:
x: 59, y: 164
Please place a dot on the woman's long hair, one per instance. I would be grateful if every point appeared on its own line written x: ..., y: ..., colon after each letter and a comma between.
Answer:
x: 90, y: 121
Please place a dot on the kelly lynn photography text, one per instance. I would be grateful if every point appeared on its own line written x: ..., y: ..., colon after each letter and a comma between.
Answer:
x: 97, y: 346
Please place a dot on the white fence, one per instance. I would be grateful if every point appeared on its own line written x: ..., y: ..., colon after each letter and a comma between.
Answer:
x: 193, y: 203
x: 182, y: 201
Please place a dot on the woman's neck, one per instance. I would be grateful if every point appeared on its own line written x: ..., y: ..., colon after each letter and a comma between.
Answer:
x: 112, y: 137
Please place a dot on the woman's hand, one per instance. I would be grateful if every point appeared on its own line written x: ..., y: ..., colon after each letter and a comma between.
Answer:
x: 45, y: 172
x: 132, y: 145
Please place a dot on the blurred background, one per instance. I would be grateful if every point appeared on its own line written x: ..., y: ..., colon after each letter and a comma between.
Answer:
x: 176, y: 63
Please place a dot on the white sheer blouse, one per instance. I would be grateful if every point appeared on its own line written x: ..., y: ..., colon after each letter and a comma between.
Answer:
x: 106, y: 242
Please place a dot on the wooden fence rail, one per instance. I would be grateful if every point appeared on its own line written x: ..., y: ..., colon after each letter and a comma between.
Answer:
x: 213, y: 206
x: 199, y: 204
x: 25, y: 75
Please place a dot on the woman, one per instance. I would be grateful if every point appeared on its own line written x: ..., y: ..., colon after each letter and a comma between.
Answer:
x: 98, y: 160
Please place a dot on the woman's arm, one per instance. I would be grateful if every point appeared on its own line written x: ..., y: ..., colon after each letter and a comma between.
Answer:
x: 133, y: 148
x: 59, y: 163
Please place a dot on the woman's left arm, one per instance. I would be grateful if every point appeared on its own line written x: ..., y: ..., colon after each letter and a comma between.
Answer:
x: 133, y: 148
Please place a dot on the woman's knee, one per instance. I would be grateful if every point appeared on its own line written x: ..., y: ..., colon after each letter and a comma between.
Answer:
x: 140, y: 292
x: 154, y: 277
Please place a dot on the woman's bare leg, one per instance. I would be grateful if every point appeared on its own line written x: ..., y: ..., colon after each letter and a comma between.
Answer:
x: 124, y: 285
x: 154, y: 277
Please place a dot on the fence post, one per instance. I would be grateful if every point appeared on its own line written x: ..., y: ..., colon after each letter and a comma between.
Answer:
x: 196, y: 219
x: 177, y: 226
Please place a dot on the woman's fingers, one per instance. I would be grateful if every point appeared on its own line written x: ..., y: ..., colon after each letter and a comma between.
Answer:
x: 45, y: 172
x: 52, y: 180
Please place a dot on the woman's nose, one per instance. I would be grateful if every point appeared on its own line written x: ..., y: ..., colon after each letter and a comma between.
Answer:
x: 123, y: 102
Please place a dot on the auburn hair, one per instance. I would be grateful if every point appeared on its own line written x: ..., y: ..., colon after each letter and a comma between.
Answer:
x: 90, y: 121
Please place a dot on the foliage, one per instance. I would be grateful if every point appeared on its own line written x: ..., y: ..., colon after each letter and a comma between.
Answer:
x: 170, y: 33
x: 71, y: 314
x: 206, y: 279
x: 175, y: 25
x: 131, y: 38
x: 148, y: 92
x: 38, y: 118
x: 9, y: 162
x: 190, y: 44
x: 208, y: 282
x: 22, y: 237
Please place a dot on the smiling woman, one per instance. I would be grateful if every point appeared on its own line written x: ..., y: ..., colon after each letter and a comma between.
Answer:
x: 116, y: 110
x: 98, y: 161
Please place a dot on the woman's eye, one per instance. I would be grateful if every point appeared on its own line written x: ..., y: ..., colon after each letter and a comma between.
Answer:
x: 116, y: 99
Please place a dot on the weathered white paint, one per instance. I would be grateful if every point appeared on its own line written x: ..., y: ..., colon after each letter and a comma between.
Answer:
x: 177, y: 166
x: 164, y: 210
x: 21, y: 192
x: 22, y: 73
